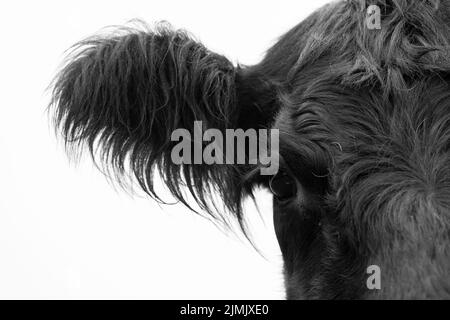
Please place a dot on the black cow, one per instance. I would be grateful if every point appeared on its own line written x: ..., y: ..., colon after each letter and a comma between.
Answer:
x: 364, y: 121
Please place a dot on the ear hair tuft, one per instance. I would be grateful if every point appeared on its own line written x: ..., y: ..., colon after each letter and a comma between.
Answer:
x: 122, y: 94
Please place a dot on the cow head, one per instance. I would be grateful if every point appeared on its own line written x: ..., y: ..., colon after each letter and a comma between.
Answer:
x: 364, y: 137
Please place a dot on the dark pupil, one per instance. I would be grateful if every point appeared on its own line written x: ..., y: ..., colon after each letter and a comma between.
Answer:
x: 283, y: 186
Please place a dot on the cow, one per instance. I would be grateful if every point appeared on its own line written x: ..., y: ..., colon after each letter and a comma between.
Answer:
x: 363, y: 116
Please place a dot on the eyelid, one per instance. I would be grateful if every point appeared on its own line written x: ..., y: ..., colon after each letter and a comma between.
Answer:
x: 288, y: 188
x: 283, y: 166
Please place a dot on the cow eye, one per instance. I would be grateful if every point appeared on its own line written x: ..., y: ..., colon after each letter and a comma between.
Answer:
x: 283, y: 186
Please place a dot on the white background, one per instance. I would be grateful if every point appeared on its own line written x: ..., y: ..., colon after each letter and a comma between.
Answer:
x: 64, y: 231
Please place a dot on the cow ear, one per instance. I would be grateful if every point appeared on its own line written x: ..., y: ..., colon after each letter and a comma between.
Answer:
x: 257, y: 98
x: 121, y: 95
